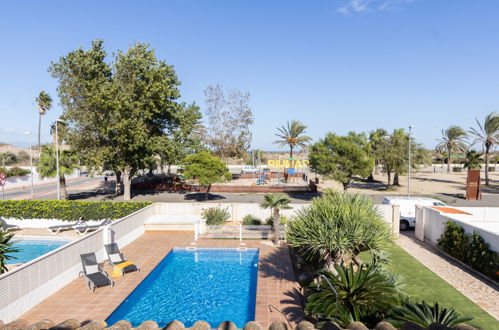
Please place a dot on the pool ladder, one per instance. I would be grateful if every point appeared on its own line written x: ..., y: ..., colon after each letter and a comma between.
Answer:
x: 280, y: 311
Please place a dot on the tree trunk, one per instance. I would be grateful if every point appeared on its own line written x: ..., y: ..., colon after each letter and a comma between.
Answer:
x: 277, y: 225
x: 169, y: 169
x: 207, y: 192
x: 117, y: 188
x: 39, y: 129
x: 127, y: 183
x: 487, y: 148
x: 389, y: 174
x: 448, y: 161
x: 64, y: 192
x: 345, y: 186
x: 396, y: 181
x: 290, y: 151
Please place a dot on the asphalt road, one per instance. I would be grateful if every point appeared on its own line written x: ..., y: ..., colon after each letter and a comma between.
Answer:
x: 49, y: 191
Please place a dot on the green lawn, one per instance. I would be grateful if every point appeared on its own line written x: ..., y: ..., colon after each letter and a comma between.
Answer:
x: 422, y: 284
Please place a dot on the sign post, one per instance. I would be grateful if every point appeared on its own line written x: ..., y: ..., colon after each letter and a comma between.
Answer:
x: 3, y: 179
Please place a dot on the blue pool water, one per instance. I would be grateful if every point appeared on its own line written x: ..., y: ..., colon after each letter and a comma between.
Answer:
x: 31, y: 249
x: 213, y: 285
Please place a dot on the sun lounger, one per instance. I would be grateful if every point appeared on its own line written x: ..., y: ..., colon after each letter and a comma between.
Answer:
x: 95, y: 276
x: 6, y: 227
x: 116, y: 259
x: 83, y: 228
x: 57, y: 229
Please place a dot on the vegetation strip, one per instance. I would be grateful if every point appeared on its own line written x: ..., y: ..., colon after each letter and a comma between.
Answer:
x: 68, y: 210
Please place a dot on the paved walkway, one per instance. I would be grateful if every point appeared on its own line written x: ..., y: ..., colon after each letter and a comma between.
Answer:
x: 276, y: 283
x: 472, y: 287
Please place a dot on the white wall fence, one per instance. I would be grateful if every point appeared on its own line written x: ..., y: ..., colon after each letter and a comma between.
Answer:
x: 238, y: 211
x: 24, y: 287
x: 165, y: 212
x: 25, y: 181
x: 430, y: 223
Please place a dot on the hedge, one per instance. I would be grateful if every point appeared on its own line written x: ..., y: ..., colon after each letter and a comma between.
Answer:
x: 68, y: 210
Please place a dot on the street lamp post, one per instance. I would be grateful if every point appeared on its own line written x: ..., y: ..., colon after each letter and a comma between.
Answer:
x: 31, y: 160
x: 57, y: 158
x: 409, y: 164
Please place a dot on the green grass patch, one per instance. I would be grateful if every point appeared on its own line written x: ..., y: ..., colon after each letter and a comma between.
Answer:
x: 420, y: 283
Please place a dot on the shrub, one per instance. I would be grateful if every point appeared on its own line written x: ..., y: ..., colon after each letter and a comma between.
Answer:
x: 270, y: 220
x: 457, y: 169
x: 216, y: 215
x: 470, y: 249
x: 251, y: 220
x: 338, y: 227
x: 15, y: 171
x: 7, y: 248
x: 481, y: 258
x: 454, y: 241
x: 68, y: 210
x: 492, y: 169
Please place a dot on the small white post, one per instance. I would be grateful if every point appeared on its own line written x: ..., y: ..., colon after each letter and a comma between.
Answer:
x: 196, y: 231
x: 240, y: 232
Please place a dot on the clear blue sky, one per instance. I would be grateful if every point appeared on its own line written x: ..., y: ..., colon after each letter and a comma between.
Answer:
x: 336, y: 65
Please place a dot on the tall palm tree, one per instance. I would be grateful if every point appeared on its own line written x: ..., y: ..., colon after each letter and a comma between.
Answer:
x: 452, y: 140
x: 7, y: 248
x: 292, y: 135
x: 488, y: 135
x: 47, y: 165
x: 44, y: 104
x: 276, y: 202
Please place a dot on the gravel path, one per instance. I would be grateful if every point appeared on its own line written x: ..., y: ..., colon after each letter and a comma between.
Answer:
x: 481, y: 293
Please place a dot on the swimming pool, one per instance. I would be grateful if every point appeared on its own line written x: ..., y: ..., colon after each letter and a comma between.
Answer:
x: 213, y: 285
x: 33, y: 248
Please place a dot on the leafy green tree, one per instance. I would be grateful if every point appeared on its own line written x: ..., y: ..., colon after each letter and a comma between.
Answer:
x: 44, y: 102
x: 275, y: 202
x: 336, y: 227
x: 7, y: 248
x: 488, y: 135
x: 119, y: 113
x: 423, y: 314
x: 341, y: 157
x: 293, y: 135
x: 452, y: 140
x: 46, y: 167
x: 206, y: 170
x: 472, y: 161
x: 376, y: 138
x: 366, y: 294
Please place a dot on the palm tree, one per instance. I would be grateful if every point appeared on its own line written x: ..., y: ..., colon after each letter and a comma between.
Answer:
x: 6, y: 249
x: 452, y: 140
x: 423, y: 314
x: 292, y: 135
x: 44, y: 104
x: 488, y: 135
x: 472, y: 160
x: 276, y: 202
x: 68, y: 162
x: 365, y: 294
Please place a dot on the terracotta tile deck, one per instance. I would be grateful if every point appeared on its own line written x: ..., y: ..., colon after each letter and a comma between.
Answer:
x: 276, y: 283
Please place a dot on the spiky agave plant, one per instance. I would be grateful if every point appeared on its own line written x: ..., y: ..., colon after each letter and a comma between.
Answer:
x: 7, y: 248
x: 424, y: 314
x: 336, y: 227
x: 366, y: 294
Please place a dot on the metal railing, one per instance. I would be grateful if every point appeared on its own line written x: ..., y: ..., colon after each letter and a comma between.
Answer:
x: 241, y: 232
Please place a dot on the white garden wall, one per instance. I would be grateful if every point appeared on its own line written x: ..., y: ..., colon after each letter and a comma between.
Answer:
x: 430, y: 223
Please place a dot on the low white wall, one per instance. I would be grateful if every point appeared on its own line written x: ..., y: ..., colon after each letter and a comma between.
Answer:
x: 239, y: 210
x: 430, y: 224
x: 20, y: 181
x: 43, y: 223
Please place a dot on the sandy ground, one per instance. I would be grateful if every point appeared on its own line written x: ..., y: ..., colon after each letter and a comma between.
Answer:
x: 452, y: 184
